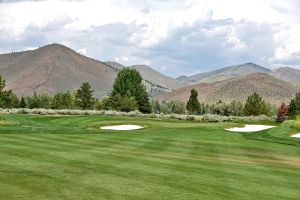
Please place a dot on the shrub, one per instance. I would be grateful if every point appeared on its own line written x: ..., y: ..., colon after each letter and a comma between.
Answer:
x: 283, y: 112
x: 215, y: 118
x: 176, y: 107
x: 155, y: 105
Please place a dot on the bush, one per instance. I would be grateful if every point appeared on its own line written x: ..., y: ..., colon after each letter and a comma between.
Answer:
x: 216, y: 118
x: 176, y: 107
x: 283, y: 112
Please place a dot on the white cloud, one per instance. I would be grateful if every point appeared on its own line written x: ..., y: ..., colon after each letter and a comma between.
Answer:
x: 172, y: 35
x: 82, y: 51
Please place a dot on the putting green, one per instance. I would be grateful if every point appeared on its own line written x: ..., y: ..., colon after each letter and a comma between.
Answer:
x: 69, y: 157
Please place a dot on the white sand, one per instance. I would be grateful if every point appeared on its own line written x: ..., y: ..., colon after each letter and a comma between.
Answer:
x: 122, y: 127
x: 250, y: 128
x: 296, y: 135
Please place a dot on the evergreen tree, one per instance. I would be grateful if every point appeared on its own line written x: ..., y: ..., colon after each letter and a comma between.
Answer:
x: 7, y: 98
x: 295, y: 106
x: 193, y: 105
x: 84, y: 96
x: 293, y: 109
x: 255, y: 105
x: 33, y: 101
x: 129, y: 84
x: 143, y: 102
x: 63, y: 101
x: 44, y: 101
x: 22, y: 103
x: 297, y: 99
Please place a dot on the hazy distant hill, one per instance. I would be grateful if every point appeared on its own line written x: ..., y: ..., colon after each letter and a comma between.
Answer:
x: 224, y: 73
x: 55, y: 68
x: 158, y: 80
x: 272, y: 89
x: 288, y: 74
x: 115, y: 65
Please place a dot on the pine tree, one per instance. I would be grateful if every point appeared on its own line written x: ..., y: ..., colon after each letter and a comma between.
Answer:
x: 255, y: 105
x: 22, y: 103
x: 143, y: 102
x: 85, y: 97
x: 193, y: 105
x: 33, y: 101
x: 293, y: 109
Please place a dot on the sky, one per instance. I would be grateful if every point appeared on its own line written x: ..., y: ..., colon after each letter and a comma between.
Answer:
x: 175, y: 37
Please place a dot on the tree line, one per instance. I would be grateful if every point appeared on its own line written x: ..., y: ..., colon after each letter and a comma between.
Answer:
x: 254, y: 106
x: 129, y: 94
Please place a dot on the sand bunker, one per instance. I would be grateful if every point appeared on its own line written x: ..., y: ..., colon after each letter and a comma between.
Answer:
x: 122, y: 127
x: 250, y: 128
x: 296, y: 135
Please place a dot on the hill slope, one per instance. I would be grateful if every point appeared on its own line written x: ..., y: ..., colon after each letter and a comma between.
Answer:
x: 224, y: 73
x: 288, y: 74
x: 271, y: 89
x: 54, y: 68
x: 114, y: 64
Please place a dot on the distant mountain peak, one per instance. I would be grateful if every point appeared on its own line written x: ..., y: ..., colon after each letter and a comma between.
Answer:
x: 287, y: 73
x: 225, y: 73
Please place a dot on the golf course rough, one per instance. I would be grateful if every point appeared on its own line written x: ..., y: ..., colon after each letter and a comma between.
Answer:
x: 70, y: 157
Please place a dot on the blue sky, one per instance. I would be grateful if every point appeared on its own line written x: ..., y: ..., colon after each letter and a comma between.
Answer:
x: 176, y: 37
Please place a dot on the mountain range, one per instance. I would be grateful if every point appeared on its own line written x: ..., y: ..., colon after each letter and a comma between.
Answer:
x: 272, y: 89
x: 55, y: 68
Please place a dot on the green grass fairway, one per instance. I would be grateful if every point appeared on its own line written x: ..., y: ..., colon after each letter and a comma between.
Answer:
x: 69, y: 157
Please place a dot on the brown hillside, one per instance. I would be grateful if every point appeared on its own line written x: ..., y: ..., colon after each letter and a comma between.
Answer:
x: 54, y: 68
x: 271, y: 89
